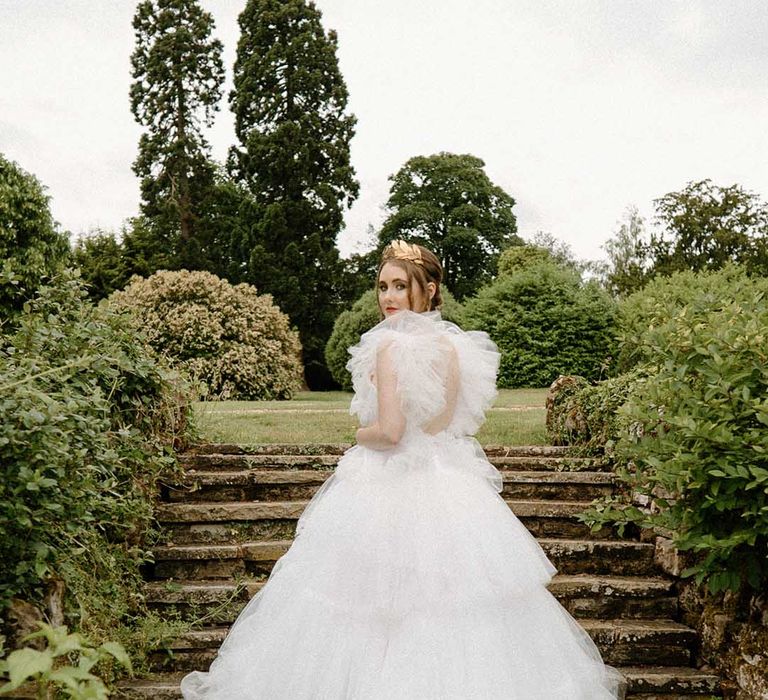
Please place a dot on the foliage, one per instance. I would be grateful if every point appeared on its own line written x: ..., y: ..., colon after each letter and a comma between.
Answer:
x: 705, y: 226
x: 447, y: 203
x: 697, y: 441
x: 87, y: 422
x: 629, y: 260
x: 363, y: 316
x: 641, y: 313
x: 546, y: 322
x: 178, y: 75
x: 31, y: 247
x: 102, y: 263
x: 521, y: 257
x: 47, y: 667
x: 587, y: 415
x: 289, y: 102
x: 231, y: 338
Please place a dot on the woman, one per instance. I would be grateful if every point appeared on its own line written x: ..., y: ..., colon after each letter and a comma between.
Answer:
x: 410, y: 578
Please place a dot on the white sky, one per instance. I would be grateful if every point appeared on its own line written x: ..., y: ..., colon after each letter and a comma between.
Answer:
x: 578, y: 107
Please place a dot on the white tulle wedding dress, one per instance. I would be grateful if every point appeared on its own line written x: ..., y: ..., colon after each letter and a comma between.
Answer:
x: 410, y: 578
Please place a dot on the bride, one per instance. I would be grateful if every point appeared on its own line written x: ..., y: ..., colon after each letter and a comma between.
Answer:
x: 409, y: 577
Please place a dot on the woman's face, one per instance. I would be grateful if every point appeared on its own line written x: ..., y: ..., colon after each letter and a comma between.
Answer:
x: 393, y: 291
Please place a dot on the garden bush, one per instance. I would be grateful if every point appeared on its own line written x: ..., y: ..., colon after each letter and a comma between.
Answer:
x: 587, y: 415
x: 31, y: 247
x: 363, y: 316
x: 696, y: 444
x: 641, y: 313
x: 232, y: 339
x: 88, y: 420
x: 546, y: 322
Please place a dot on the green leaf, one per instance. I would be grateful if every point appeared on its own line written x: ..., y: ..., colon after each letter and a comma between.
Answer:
x: 27, y: 663
x: 118, y: 651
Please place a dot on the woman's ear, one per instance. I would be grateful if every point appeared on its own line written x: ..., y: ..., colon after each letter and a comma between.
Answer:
x: 431, y: 289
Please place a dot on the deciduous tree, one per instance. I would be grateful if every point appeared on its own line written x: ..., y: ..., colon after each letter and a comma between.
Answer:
x: 704, y: 226
x: 447, y: 203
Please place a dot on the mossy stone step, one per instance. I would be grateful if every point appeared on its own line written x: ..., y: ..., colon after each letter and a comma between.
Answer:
x: 666, y: 683
x: 324, y: 461
x: 584, y: 596
x: 187, y: 523
x: 256, y: 559
x: 300, y: 484
x: 340, y: 448
x: 622, y: 642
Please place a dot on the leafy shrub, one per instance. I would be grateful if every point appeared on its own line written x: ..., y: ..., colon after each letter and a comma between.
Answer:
x: 641, y: 313
x: 363, y: 316
x: 30, y: 246
x: 696, y: 448
x: 48, y: 670
x: 546, y: 322
x: 235, y: 341
x: 87, y: 421
x: 101, y: 259
x: 587, y: 415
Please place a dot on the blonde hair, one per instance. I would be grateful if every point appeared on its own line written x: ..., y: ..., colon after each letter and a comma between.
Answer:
x: 420, y: 265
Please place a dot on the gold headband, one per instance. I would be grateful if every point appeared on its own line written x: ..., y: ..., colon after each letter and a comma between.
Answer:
x: 401, y: 250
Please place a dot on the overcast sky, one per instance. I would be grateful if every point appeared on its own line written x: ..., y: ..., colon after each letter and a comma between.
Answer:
x: 579, y: 108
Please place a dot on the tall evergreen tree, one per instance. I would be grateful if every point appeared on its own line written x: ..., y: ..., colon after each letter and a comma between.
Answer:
x: 178, y: 75
x: 289, y: 101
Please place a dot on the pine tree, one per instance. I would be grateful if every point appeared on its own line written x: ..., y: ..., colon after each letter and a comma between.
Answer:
x: 178, y: 75
x: 289, y: 102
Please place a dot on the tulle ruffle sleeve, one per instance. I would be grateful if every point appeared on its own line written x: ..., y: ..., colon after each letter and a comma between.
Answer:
x: 418, y: 358
x: 420, y: 344
x: 479, y: 360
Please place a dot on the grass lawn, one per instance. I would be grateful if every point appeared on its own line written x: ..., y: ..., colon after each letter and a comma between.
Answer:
x: 517, y: 418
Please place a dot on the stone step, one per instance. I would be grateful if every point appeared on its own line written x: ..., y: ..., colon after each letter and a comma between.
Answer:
x: 299, y: 484
x: 188, y: 523
x: 340, y: 448
x: 584, y: 596
x: 664, y: 683
x: 622, y: 642
x: 322, y: 462
x: 256, y: 559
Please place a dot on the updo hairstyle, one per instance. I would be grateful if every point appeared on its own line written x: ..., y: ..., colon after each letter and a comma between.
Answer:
x: 421, y: 266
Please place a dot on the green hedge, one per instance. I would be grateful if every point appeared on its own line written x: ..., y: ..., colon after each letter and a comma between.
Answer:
x: 696, y: 443
x: 546, y: 322
x: 642, y: 313
x: 88, y: 418
x: 231, y: 338
x: 31, y: 248
x: 587, y: 415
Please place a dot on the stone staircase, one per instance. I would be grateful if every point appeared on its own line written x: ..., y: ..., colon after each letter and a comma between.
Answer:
x: 235, y: 514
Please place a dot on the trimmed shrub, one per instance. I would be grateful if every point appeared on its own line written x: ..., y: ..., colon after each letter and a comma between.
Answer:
x: 587, y: 415
x: 641, y: 313
x: 363, y: 316
x: 696, y: 446
x: 30, y: 246
x: 232, y: 339
x: 546, y: 322
x: 88, y: 418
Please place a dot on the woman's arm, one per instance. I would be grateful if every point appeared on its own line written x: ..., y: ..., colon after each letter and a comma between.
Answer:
x: 387, y: 431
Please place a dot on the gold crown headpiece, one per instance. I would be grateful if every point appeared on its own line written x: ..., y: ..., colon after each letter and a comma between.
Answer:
x: 401, y: 250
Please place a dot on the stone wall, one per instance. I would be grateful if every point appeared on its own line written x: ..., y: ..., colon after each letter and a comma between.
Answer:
x: 733, y: 628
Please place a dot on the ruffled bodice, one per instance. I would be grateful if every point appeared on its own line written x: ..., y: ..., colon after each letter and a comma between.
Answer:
x: 418, y: 342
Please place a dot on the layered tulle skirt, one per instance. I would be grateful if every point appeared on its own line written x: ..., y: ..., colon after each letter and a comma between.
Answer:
x: 409, y: 579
